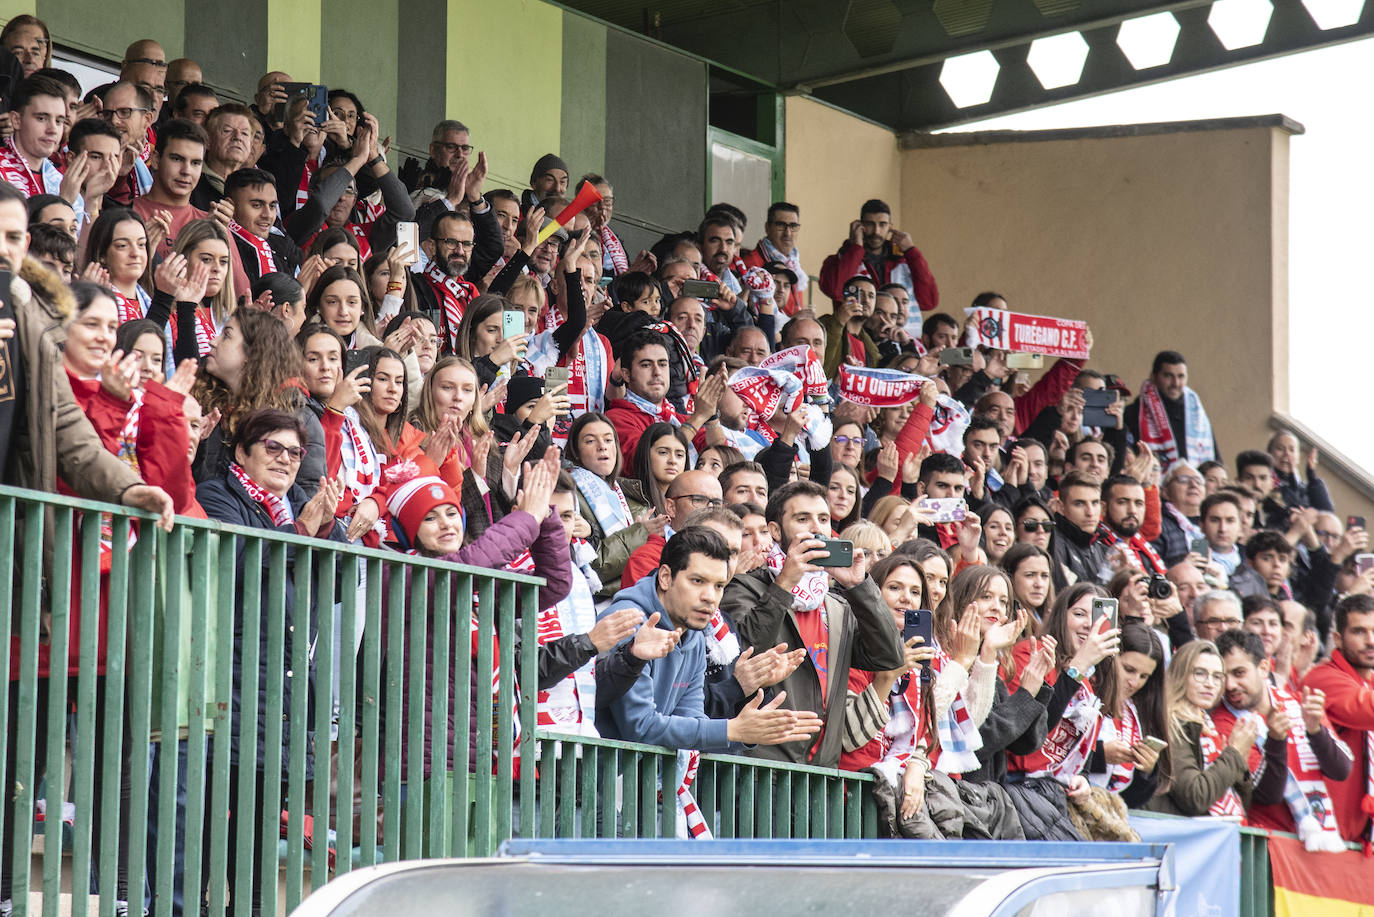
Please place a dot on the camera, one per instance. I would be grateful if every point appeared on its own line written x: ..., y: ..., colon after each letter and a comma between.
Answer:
x: 1159, y: 587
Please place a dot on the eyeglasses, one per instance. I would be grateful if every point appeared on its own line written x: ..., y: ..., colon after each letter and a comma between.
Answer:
x: 787, y: 227
x: 123, y: 114
x: 1331, y: 535
x: 1223, y: 623
x: 846, y: 440
x: 159, y: 64
x: 702, y: 500
x: 274, y: 449
x: 454, y: 243
x: 1204, y: 677
x: 1189, y: 480
x: 159, y: 92
x: 1034, y: 525
x: 344, y: 115
x: 463, y: 148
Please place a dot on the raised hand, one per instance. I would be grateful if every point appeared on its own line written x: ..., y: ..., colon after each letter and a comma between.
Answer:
x: 652, y: 641
x: 538, y: 490
x: 477, y: 175
x: 351, y: 389
x: 119, y: 375
x: 888, y: 463
x: 652, y: 522
x: 968, y: 637
x: 767, y: 724
x: 615, y: 627
x: 184, y: 378
x: 1313, y: 709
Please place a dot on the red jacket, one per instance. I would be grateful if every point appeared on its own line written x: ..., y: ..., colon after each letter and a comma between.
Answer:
x: 1046, y: 392
x: 643, y: 561
x: 1350, y: 708
x: 754, y: 258
x: 909, y: 269
x: 630, y: 422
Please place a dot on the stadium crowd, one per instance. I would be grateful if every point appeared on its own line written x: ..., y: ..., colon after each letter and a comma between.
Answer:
x: 217, y: 313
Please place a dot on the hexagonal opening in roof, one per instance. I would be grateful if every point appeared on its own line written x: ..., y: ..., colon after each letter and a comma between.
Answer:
x: 1057, y: 60
x: 1334, y: 14
x: 969, y: 78
x: 1240, y: 23
x: 872, y: 25
x: 962, y: 17
x: 1148, y: 41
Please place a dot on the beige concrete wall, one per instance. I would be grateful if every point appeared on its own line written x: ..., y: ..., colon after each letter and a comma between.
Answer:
x: 835, y: 162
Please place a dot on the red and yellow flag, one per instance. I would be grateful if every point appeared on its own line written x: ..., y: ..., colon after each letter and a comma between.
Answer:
x: 1329, y: 884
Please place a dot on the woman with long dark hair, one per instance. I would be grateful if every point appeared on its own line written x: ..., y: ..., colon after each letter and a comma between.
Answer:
x: 659, y: 458
x: 254, y: 364
x: 615, y: 507
x: 1031, y: 582
x: 1124, y: 763
x: 1042, y: 781
x: 896, y: 714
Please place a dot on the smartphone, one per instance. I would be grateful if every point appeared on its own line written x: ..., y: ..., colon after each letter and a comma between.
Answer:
x: 956, y: 356
x: 353, y: 359
x: 701, y: 289
x: 512, y: 323
x: 1105, y: 608
x: 1025, y: 360
x: 942, y: 509
x: 919, y: 623
x: 841, y: 553
x: 1155, y: 745
x: 555, y: 376
x: 1354, y: 522
x: 1364, y: 562
x: 1200, y: 546
x: 1095, y: 404
x: 316, y: 96
x: 409, y: 234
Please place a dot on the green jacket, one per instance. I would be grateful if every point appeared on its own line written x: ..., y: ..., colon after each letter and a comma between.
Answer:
x: 835, y: 345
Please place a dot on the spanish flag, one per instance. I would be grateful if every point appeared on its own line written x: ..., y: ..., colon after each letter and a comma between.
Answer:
x: 1329, y: 884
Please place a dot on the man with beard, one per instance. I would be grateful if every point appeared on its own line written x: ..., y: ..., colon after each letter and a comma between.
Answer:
x: 1168, y: 416
x: 1347, y: 680
x: 442, y: 292
x: 877, y: 250
x: 1123, y: 500
x: 665, y: 705
x: 1297, y: 743
x: 835, y: 613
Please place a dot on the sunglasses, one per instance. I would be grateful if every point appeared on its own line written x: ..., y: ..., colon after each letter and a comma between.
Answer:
x: 1036, y: 525
x: 275, y: 449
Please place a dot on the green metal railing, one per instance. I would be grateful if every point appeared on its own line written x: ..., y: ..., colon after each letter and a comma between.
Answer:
x: 335, y: 666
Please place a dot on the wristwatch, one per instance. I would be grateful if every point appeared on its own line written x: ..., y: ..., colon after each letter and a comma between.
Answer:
x: 1078, y: 676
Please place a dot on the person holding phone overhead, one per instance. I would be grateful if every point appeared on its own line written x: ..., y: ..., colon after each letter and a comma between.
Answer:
x: 837, y: 614
x: 877, y: 250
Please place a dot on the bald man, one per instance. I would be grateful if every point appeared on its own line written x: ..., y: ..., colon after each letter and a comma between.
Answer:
x: 269, y: 94
x: 181, y: 73
x: 145, y: 65
x: 804, y: 331
x: 689, y: 492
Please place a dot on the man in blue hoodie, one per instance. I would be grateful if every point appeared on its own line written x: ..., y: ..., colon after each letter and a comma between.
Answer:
x: 665, y: 704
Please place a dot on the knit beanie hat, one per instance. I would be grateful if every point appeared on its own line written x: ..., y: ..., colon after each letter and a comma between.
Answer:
x: 412, y: 501
x: 547, y: 163
x: 520, y: 389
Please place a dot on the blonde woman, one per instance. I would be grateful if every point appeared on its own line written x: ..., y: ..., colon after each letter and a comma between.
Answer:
x: 868, y: 537
x: 1212, y: 774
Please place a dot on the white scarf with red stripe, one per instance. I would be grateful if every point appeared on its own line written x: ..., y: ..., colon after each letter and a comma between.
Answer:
x: 267, y: 263
x: 1126, y: 730
x: 454, y: 294
x: 807, y: 595
x: 570, y: 706
x: 612, y: 251
x: 277, y: 508
x: 360, y: 462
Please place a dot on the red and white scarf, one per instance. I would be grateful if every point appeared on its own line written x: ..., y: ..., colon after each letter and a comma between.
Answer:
x: 613, y: 251
x: 690, y: 822
x: 205, y: 330
x: 267, y: 263
x: 570, y: 706
x: 1126, y: 730
x: 1156, y: 433
x: 1142, y: 555
x: 663, y: 412
x: 360, y: 462
x: 128, y: 310
x: 14, y: 168
x: 312, y: 164
x: 1210, y: 742
x: 277, y: 508
x: 1069, y: 743
x: 807, y: 595
x: 454, y: 294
